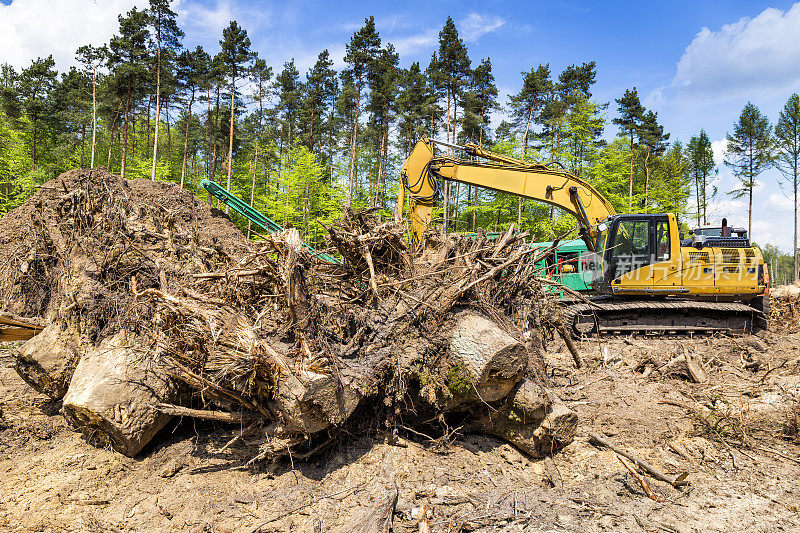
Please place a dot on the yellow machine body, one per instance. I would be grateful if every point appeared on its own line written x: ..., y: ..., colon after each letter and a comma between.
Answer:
x: 656, y: 263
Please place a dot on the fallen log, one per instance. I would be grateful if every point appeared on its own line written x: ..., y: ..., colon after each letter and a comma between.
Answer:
x: 14, y: 328
x: 533, y: 420
x: 492, y: 360
x: 113, y: 395
x: 317, y: 402
x: 46, y: 362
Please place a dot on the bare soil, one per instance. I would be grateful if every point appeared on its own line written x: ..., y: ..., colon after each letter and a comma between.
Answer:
x: 734, y: 434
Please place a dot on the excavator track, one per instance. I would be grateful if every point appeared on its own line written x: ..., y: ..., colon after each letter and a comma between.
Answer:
x: 611, y: 316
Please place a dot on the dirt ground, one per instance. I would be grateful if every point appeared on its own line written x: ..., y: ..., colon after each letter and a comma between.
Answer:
x: 732, y: 435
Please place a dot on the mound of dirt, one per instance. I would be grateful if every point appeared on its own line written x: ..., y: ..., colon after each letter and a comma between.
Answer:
x: 157, y: 305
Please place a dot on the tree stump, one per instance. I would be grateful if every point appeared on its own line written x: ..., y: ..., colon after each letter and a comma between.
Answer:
x: 113, y: 396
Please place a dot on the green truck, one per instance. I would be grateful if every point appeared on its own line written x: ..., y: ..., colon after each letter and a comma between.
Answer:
x: 569, y: 264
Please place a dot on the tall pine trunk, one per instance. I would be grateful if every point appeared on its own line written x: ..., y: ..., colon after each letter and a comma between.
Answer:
x: 253, y: 182
x: 186, y: 138
x: 125, y: 134
x: 83, y: 143
x: 94, y: 113
x: 230, y: 138
x: 158, y: 106
x: 524, y: 154
x: 353, y: 141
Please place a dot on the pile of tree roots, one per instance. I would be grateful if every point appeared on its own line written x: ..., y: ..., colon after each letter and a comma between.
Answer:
x: 156, y: 305
x: 784, y: 310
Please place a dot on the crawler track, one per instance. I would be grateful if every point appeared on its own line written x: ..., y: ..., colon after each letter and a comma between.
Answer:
x: 611, y: 316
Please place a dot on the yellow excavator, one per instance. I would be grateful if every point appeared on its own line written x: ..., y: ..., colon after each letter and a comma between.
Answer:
x: 648, y: 279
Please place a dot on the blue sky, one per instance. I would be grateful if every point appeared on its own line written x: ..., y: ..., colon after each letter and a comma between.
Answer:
x: 696, y: 63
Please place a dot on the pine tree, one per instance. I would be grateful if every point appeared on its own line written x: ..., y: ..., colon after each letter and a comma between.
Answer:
x: 237, y: 57
x: 700, y: 165
x: 416, y: 104
x: 631, y: 113
x: 289, y: 93
x: 749, y: 153
x: 167, y: 39
x: 383, y: 82
x: 192, y: 69
x: 260, y: 75
x: 478, y: 103
x: 527, y: 107
x: 452, y: 69
x: 35, y: 87
x: 92, y: 58
x: 787, y: 135
x: 320, y: 88
x: 127, y: 61
x: 70, y: 108
x: 361, y: 51
x: 654, y: 140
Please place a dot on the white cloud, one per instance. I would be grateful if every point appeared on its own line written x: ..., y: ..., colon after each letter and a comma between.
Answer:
x: 38, y: 28
x: 734, y: 210
x: 408, y: 45
x: 719, y: 147
x: 656, y: 99
x: 475, y: 25
x: 780, y: 202
x: 754, y: 58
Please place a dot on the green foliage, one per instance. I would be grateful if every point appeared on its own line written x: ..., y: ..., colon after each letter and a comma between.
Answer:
x: 749, y: 152
x: 302, y: 145
x: 700, y: 164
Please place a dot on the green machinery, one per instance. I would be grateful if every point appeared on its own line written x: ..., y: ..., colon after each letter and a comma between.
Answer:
x: 567, y: 265
x: 256, y: 217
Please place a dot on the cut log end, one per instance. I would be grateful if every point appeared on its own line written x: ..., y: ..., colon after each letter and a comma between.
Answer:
x: 493, y: 360
x: 113, y: 398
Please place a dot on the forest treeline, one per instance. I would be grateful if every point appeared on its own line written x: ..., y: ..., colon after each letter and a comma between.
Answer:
x: 302, y: 146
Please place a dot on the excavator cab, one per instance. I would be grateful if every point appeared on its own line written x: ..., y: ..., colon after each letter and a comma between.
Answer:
x: 630, y: 250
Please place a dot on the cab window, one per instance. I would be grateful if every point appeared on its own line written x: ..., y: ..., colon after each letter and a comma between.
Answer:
x: 662, y: 240
x: 632, y: 238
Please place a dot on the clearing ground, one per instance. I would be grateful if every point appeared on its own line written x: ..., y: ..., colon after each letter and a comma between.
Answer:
x: 736, y: 435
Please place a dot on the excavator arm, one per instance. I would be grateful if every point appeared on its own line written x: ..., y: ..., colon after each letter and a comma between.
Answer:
x: 557, y: 187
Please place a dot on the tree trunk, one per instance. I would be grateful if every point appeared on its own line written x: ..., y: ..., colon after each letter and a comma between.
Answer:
x: 111, y: 137
x: 111, y: 397
x: 83, y: 143
x: 158, y: 106
x: 169, y: 131
x: 125, y: 134
x: 630, y: 182
x: 253, y: 183
x: 33, y: 152
x: 524, y: 155
x: 795, y: 274
x: 230, y: 138
x: 186, y: 138
x: 646, y: 180
x: 697, y: 189
x: 216, y: 128
x: 94, y: 112
x: 353, y: 143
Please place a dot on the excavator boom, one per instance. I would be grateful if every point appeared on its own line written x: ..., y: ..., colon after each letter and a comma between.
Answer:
x: 505, y: 174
